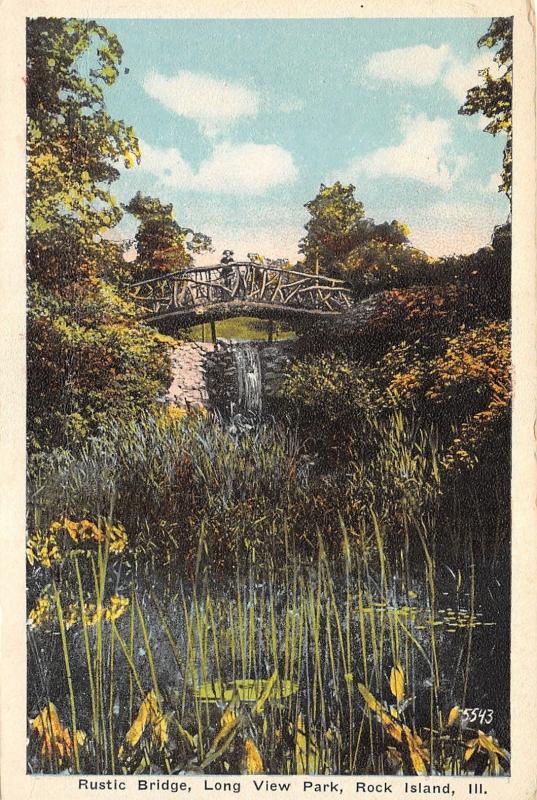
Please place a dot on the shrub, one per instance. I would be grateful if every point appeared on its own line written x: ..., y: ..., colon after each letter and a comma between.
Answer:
x: 460, y: 381
x: 330, y: 390
x: 89, y: 361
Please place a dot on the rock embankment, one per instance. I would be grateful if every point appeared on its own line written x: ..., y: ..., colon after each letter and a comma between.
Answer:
x: 189, y: 370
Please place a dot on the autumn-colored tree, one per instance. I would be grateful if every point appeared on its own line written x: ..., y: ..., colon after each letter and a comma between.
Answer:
x: 162, y: 245
x: 334, y: 215
x: 338, y: 227
x: 493, y: 97
x: 88, y: 358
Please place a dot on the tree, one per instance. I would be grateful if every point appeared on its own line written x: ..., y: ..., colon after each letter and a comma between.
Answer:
x: 162, y: 245
x: 89, y: 360
x: 72, y: 147
x: 341, y: 241
x: 334, y: 213
x: 338, y: 227
x: 382, y: 260
x: 493, y: 97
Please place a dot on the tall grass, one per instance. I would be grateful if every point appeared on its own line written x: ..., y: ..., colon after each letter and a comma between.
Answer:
x: 270, y: 606
x: 198, y: 485
x: 322, y: 630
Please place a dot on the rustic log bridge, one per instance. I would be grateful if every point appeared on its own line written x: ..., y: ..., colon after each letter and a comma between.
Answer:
x: 243, y: 288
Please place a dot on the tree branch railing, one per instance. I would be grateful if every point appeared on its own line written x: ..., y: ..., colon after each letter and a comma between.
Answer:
x: 240, y: 281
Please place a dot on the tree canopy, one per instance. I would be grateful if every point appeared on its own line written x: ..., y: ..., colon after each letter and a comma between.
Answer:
x: 493, y: 97
x: 162, y: 245
x: 89, y: 360
x: 338, y: 228
x: 73, y: 148
x: 334, y: 214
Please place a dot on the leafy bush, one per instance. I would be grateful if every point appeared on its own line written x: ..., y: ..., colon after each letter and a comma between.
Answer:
x: 482, y: 278
x: 474, y: 371
x: 379, y: 264
x: 89, y: 361
x: 330, y: 389
x: 460, y: 381
x: 88, y: 358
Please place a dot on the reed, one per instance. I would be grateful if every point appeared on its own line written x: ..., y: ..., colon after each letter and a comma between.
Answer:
x: 319, y: 639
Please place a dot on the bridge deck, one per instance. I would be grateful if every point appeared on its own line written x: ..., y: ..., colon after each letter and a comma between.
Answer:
x: 201, y: 294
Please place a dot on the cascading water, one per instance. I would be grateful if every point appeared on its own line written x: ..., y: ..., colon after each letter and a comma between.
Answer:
x: 249, y: 383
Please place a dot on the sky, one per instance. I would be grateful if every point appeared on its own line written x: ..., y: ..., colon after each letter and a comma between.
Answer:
x: 240, y: 121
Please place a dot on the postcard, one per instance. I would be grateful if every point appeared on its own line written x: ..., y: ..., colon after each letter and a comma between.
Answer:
x: 269, y: 395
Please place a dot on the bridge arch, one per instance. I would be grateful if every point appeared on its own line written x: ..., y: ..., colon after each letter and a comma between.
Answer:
x: 241, y: 289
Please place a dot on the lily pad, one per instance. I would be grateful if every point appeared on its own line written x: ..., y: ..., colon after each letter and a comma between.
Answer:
x: 247, y: 691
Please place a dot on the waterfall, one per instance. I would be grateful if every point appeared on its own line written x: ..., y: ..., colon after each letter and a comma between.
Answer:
x: 248, y: 367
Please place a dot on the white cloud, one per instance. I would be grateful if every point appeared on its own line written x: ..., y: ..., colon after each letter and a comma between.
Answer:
x: 230, y: 169
x: 166, y: 164
x: 423, y: 65
x: 493, y: 183
x: 460, y: 77
x: 275, y: 242
x: 424, y: 155
x: 420, y: 65
x: 213, y: 103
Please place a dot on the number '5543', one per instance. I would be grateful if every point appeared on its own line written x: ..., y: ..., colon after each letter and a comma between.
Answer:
x: 484, y: 715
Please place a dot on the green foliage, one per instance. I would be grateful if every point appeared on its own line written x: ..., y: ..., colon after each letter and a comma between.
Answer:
x: 410, y: 284
x: 180, y: 677
x: 162, y: 245
x: 460, y: 382
x: 421, y: 313
x: 81, y: 374
x: 493, y: 97
x: 338, y: 228
x: 378, y: 263
x: 487, y: 272
x: 405, y: 462
x: 475, y: 372
x: 221, y: 497
x: 330, y: 390
x: 334, y: 215
x: 72, y: 144
x: 88, y: 359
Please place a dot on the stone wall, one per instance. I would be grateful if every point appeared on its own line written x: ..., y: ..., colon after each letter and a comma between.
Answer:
x: 274, y: 360
x: 207, y: 376
x: 189, y: 365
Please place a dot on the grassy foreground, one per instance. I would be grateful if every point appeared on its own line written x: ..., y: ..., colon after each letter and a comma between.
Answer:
x: 203, y: 619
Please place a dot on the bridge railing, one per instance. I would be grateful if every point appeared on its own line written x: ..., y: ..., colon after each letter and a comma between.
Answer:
x: 239, y: 281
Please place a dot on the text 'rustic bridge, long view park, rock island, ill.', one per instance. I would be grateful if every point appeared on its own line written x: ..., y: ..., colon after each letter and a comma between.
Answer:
x: 240, y: 289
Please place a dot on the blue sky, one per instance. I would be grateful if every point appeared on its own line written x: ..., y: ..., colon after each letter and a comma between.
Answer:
x: 241, y: 120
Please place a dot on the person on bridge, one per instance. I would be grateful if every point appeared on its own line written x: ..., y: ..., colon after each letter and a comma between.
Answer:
x: 226, y: 260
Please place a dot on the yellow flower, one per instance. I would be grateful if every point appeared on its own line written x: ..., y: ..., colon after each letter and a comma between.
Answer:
x: 176, y: 412
x: 150, y: 715
x: 79, y: 531
x: 118, y: 605
x: 117, y: 537
x: 71, y: 528
x: 88, y: 531
x: 93, y: 613
x: 55, y: 740
x: 41, y: 614
x: 70, y: 615
x: 43, y: 548
x: 252, y: 763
